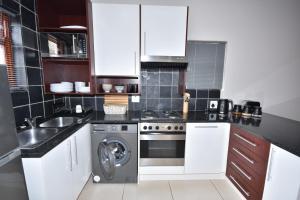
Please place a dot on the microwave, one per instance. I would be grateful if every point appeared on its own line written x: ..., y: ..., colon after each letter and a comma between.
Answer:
x: 64, y: 45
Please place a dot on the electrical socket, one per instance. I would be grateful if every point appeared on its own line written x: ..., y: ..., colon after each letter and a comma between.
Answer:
x: 213, y: 104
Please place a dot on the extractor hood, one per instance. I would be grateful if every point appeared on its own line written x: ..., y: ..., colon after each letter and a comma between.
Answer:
x: 9, y: 7
x: 164, y: 59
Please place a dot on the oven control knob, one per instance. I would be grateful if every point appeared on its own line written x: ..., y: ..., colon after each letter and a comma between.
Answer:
x: 150, y: 127
x: 145, y: 127
x: 176, y: 127
x: 169, y: 127
x: 181, y: 128
x: 157, y: 127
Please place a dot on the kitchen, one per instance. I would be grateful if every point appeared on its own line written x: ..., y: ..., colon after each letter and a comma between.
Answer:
x: 234, y: 50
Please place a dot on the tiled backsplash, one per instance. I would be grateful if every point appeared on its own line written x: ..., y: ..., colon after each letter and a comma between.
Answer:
x: 29, y: 99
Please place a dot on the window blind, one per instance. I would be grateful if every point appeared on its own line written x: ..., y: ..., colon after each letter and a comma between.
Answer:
x: 6, y: 48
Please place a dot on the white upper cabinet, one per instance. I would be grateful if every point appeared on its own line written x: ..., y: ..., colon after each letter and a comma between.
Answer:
x: 283, y: 175
x: 206, y: 148
x: 163, y: 30
x: 116, y: 33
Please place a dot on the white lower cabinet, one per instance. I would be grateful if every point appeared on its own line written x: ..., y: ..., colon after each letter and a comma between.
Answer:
x: 283, y: 176
x: 206, y: 148
x: 61, y: 173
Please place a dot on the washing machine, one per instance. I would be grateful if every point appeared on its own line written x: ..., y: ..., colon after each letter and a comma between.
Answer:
x: 114, y: 153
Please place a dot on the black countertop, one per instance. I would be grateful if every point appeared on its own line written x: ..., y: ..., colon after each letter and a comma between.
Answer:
x: 282, y: 132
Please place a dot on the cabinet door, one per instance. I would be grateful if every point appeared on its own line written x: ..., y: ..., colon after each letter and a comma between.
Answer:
x: 57, y: 170
x: 206, y: 147
x: 163, y: 30
x: 116, y: 30
x: 81, y: 141
x: 283, y: 176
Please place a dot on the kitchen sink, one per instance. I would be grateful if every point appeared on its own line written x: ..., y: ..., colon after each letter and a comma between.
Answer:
x: 59, y: 122
x: 32, y: 137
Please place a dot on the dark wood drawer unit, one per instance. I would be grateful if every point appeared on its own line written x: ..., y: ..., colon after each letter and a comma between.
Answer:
x: 247, y: 162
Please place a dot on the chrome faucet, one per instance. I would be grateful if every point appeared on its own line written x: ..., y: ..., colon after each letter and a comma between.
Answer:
x: 32, y: 121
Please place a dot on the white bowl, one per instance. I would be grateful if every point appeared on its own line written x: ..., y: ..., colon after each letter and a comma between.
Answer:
x: 61, y: 88
x: 119, y: 88
x: 106, y: 87
x: 78, y: 85
x: 84, y: 89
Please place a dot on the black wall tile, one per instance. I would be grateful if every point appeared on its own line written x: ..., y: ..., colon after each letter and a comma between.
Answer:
x: 30, y: 4
x: 29, y: 38
x: 214, y: 93
x: 153, y: 104
x: 99, y: 102
x: 192, y: 104
x: 28, y: 18
x: 19, y: 98
x: 48, y: 108
x: 20, y: 114
x: 202, y: 93
x: 165, y: 91
x: 37, y: 109
x: 152, y: 78
x: 165, y: 79
x: 31, y: 58
x: 165, y: 104
x: 201, y: 104
x: 76, y: 101
x: 36, y: 94
x: 89, y: 102
x: 152, y: 92
x: 34, y: 76
x: 193, y: 93
x: 177, y: 104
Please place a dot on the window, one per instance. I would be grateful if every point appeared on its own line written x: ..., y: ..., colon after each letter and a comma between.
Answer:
x: 6, y: 49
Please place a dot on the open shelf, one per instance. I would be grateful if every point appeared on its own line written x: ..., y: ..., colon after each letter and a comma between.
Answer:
x: 131, y: 85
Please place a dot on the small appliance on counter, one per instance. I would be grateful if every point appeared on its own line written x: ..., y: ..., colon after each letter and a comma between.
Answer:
x: 224, y: 106
x: 237, y: 109
x: 252, y: 109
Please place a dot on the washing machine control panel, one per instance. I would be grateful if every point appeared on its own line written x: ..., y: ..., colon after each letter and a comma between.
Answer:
x: 115, y: 128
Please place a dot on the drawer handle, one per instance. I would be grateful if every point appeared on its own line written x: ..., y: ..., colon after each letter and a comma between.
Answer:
x: 242, y: 171
x: 244, y: 191
x: 245, y: 140
x: 244, y: 156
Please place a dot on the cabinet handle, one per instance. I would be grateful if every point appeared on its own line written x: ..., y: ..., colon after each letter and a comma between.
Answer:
x: 144, y: 43
x: 206, y: 126
x: 269, y: 176
x: 244, y: 156
x: 76, y: 152
x: 244, y: 191
x: 245, y: 140
x: 242, y: 171
x: 70, y: 155
x: 135, y: 62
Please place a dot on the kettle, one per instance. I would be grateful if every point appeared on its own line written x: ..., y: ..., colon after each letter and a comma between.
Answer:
x: 223, y: 106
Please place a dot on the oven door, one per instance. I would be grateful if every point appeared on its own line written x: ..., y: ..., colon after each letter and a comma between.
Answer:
x: 160, y: 149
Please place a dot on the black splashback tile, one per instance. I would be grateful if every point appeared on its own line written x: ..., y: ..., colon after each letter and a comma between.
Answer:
x: 153, y: 104
x: 177, y: 104
x: 165, y: 91
x: 19, y: 98
x: 29, y: 38
x: 99, y: 103
x: 36, y: 94
x: 152, y: 92
x: 28, y: 18
x: 193, y: 93
x: 165, y: 104
x: 20, y: 114
x: 34, y: 76
x: 202, y: 93
x: 214, y: 93
x: 165, y: 79
x: 30, y: 4
x: 89, y: 102
x: 48, y: 108
x: 37, y: 109
x: 201, y: 104
x: 31, y: 58
x: 76, y: 101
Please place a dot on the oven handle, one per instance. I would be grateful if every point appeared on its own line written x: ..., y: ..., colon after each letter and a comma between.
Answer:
x: 162, y: 137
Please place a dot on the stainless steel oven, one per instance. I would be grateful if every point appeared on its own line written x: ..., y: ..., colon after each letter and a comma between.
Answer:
x: 162, y: 144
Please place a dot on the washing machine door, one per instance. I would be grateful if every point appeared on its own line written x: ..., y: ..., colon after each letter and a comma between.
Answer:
x: 113, y: 152
x: 107, y: 160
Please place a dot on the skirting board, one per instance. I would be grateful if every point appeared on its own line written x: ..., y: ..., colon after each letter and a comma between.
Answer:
x: 148, y: 177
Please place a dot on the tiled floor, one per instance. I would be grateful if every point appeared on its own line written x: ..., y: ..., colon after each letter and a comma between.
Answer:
x: 162, y: 190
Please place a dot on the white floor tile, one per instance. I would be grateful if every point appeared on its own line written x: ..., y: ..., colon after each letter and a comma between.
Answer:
x: 226, y: 191
x: 194, y: 190
x: 102, y: 191
x: 148, y: 190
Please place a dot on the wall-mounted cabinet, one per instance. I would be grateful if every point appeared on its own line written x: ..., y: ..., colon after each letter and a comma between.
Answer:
x: 163, y: 30
x: 116, y: 39
x: 57, y: 14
